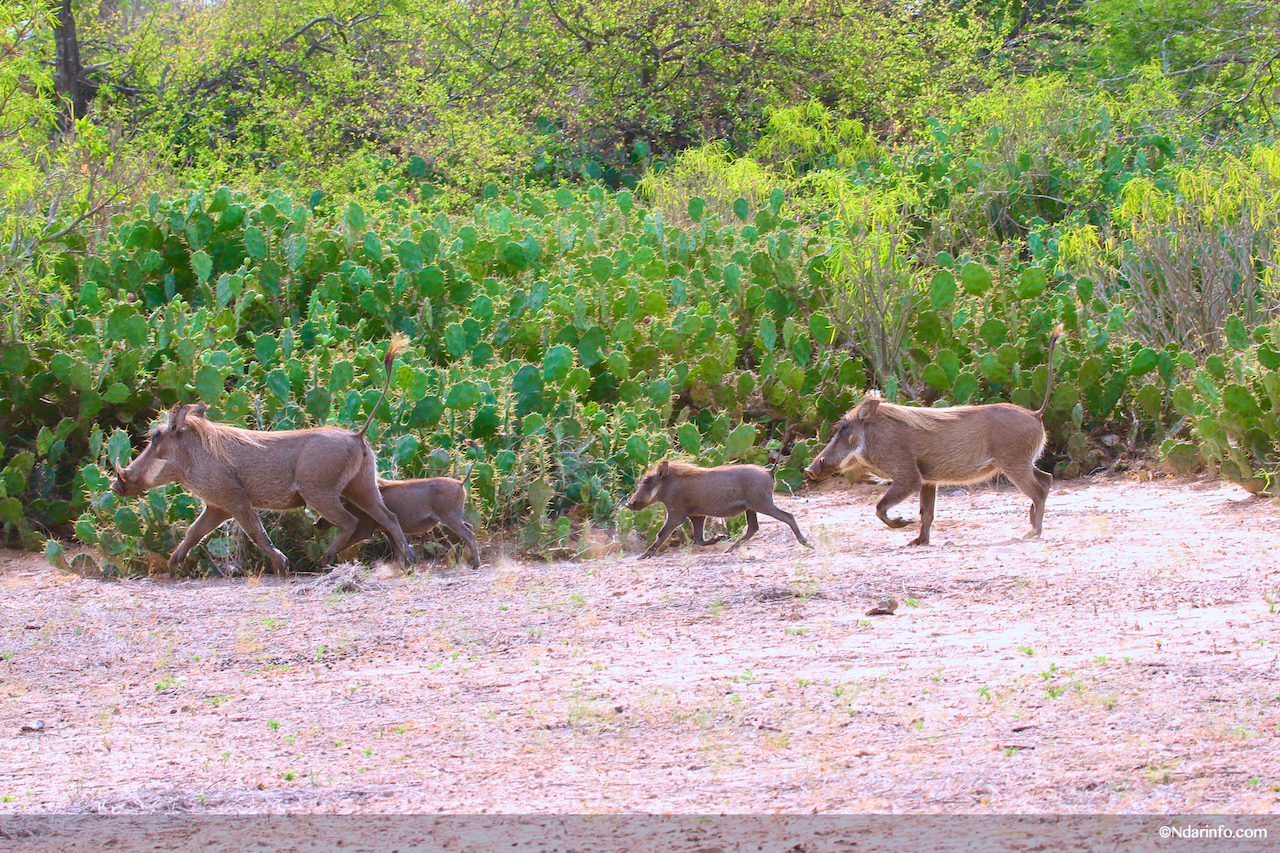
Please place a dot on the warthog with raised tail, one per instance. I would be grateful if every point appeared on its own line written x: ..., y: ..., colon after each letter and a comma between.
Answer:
x: 688, y: 491
x: 919, y: 449
x: 234, y: 470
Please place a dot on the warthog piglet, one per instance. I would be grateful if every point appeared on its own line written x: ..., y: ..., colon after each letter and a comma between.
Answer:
x: 688, y: 491
x: 420, y: 505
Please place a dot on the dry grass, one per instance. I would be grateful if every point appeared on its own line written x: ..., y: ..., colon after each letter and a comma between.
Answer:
x: 1126, y: 662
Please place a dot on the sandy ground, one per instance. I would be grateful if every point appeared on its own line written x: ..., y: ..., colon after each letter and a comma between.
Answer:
x: 1126, y: 662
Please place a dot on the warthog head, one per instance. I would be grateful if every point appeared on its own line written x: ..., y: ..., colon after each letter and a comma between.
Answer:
x: 647, y: 489
x: 847, y: 441
x: 152, y: 466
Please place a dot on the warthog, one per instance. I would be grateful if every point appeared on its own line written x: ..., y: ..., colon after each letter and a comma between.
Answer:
x: 918, y: 449
x: 688, y: 491
x: 234, y: 470
x: 419, y: 505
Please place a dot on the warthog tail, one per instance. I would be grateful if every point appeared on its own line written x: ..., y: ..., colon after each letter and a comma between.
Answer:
x: 398, y: 343
x: 1048, y: 388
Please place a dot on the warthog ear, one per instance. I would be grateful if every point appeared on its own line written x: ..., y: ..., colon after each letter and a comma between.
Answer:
x: 867, y: 410
x: 662, y: 468
x: 197, y: 411
x: 178, y: 416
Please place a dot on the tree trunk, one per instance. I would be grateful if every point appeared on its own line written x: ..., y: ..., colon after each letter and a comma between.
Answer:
x: 1024, y: 17
x: 67, y: 68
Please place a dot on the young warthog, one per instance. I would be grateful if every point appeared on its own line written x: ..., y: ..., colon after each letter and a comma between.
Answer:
x: 688, y: 491
x: 918, y: 449
x: 234, y: 470
x: 420, y: 505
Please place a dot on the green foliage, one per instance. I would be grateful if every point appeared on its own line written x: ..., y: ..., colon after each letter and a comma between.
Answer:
x: 1232, y: 406
x: 1189, y: 255
x: 1213, y: 53
x: 54, y: 187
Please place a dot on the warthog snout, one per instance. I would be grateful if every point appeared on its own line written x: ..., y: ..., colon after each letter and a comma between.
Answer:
x: 147, y: 470
x: 819, y: 470
x: 646, y: 491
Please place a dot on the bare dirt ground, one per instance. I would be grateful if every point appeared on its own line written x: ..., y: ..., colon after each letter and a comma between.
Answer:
x: 1126, y: 662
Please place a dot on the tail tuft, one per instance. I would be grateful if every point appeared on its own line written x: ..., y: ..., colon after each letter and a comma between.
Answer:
x: 399, y: 343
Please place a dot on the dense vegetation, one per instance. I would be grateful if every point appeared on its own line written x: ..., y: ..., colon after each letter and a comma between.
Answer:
x: 614, y: 234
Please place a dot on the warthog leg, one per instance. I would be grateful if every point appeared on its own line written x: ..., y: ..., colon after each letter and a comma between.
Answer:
x: 364, y: 530
x: 899, y: 490
x: 674, y: 520
x: 363, y: 492
x: 252, y: 525
x: 459, y: 526
x: 1033, y: 483
x: 753, y: 525
x: 330, y: 506
x: 698, y: 539
x: 928, y: 495
x: 786, y: 518
x: 200, y: 528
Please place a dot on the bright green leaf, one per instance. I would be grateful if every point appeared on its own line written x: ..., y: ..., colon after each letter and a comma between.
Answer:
x: 1032, y: 283
x: 277, y: 383
x: 462, y: 396
x: 942, y: 291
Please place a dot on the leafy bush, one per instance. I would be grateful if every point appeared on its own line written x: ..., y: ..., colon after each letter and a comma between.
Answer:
x: 573, y: 335
x: 1232, y: 408
x: 1181, y: 258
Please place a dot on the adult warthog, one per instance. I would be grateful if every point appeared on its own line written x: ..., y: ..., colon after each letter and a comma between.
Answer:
x: 234, y: 470
x: 919, y: 449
